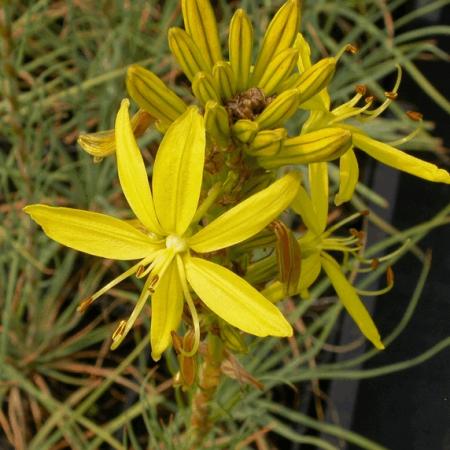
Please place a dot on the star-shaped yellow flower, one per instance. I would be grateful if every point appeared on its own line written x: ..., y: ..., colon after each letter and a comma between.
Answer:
x: 323, y: 117
x: 315, y: 245
x: 164, y: 242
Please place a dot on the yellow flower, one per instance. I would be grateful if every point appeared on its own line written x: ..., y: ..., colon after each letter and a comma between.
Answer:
x: 164, y: 240
x: 316, y: 244
x: 322, y: 118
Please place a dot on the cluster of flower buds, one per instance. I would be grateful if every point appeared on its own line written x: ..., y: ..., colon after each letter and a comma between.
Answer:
x: 209, y: 234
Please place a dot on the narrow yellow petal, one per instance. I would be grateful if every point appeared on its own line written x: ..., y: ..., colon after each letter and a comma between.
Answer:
x: 93, y: 233
x: 240, y: 44
x: 234, y: 300
x: 304, y: 57
x: 279, y: 36
x: 167, y: 307
x: 318, y: 186
x: 303, y: 206
x: 132, y: 174
x: 351, y: 300
x: 400, y: 160
x: 178, y: 172
x: 103, y: 143
x: 248, y: 217
x: 311, y: 268
x: 201, y: 24
x: 348, y: 177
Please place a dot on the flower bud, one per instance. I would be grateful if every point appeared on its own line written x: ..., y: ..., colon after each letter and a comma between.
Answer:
x: 245, y: 130
x: 318, y: 146
x: 279, y: 110
x: 267, y: 142
x: 152, y: 95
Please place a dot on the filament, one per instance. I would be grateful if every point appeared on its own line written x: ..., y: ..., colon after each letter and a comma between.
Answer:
x: 192, y: 310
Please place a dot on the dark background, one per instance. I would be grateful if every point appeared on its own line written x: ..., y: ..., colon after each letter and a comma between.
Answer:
x: 410, y: 410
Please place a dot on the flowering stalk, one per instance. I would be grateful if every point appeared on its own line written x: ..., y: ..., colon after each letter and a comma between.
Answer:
x: 209, y: 381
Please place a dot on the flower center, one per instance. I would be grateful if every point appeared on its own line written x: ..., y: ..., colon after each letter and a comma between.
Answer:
x: 177, y: 243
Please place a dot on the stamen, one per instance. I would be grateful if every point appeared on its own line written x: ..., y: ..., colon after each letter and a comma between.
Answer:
x: 390, y: 284
x: 361, y: 89
x: 118, y: 333
x: 391, y: 255
x: 192, y: 309
x: 88, y: 302
x: 390, y: 97
x: 354, y: 111
x: 85, y: 304
x: 349, y: 48
x: 126, y: 325
x: 342, y: 223
x: 415, y: 115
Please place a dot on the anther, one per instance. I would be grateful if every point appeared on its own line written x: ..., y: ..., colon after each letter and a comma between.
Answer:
x: 374, y: 263
x: 391, y: 95
x: 118, y: 333
x: 361, y: 89
x: 390, y: 276
x: 414, y: 115
x: 351, y: 48
x: 369, y: 99
x: 84, y: 305
x: 140, y: 271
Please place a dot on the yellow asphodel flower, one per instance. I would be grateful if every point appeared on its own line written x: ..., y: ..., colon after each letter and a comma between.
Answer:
x: 316, y: 244
x: 165, y: 237
x: 323, y: 117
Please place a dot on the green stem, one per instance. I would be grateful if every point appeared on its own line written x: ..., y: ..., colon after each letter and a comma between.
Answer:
x: 210, y: 374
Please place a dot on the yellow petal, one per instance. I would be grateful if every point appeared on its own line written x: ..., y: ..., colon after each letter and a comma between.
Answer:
x: 247, y: 218
x: 93, y: 233
x: 178, y: 171
x: 201, y: 24
x: 103, y: 143
x: 348, y: 177
x: 167, y: 307
x: 132, y: 174
x: 303, y: 206
x: 304, y: 57
x: 279, y: 36
x: 400, y: 160
x: 351, y: 300
x: 234, y: 300
x: 318, y: 185
x: 310, y: 270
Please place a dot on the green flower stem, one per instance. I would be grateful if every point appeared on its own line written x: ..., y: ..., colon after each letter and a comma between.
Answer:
x: 210, y: 375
